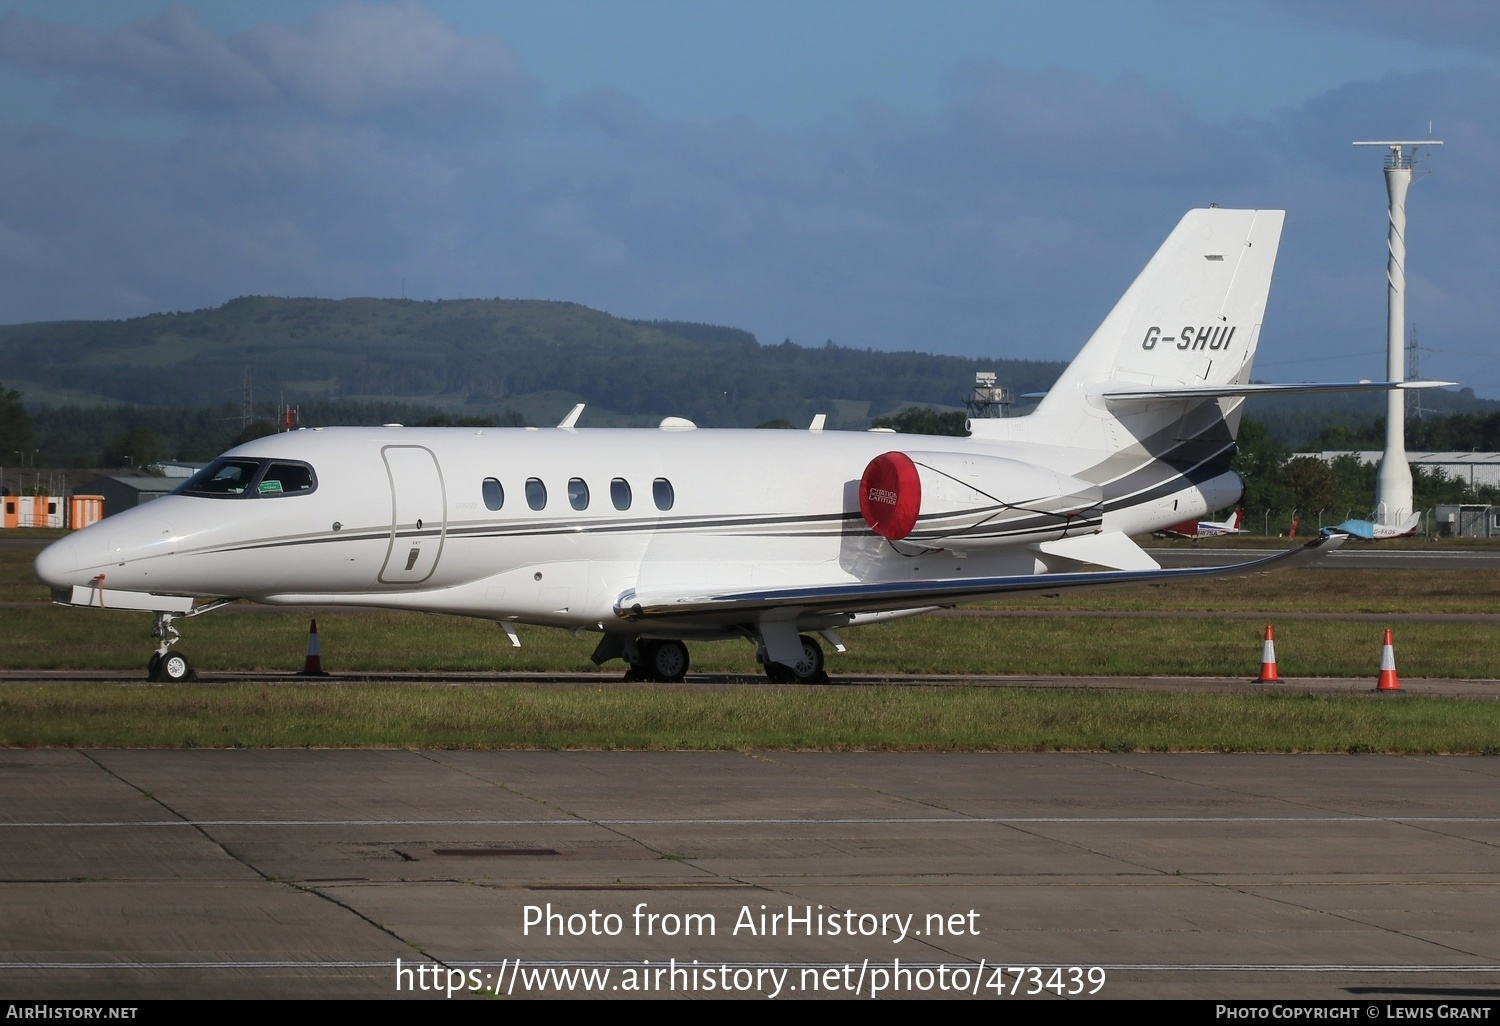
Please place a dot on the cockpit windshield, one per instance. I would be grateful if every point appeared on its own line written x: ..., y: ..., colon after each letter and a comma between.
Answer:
x: 237, y: 477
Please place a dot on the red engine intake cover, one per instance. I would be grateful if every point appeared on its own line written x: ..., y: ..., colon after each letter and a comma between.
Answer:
x: 890, y: 495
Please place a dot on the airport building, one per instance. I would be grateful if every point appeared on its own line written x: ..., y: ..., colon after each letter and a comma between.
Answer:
x: 127, y: 491
x: 1476, y: 469
x: 1472, y: 520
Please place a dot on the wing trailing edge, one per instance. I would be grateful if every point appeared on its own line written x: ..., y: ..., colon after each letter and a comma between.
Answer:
x: 1140, y: 395
x: 849, y: 599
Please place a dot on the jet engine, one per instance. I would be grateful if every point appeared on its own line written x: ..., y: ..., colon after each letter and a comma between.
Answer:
x: 947, y: 498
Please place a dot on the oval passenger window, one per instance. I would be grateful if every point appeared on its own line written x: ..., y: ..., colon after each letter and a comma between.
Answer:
x: 619, y: 493
x: 494, y: 495
x: 661, y: 491
x: 578, y: 493
x: 536, y: 493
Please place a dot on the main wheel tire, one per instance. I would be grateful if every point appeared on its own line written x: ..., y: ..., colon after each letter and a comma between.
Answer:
x: 807, y: 670
x: 174, y: 668
x: 665, y: 661
x: 153, y: 667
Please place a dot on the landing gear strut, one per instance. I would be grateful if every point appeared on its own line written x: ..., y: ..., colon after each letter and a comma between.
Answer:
x: 167, y: 665
x: 807, y: 670
x: 665, y: 661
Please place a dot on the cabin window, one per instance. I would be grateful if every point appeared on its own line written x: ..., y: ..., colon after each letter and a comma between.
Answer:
x: 578, y: 493
x: 536, y: 493
x: 286, y: 477
x: 661, y: 491
x: 250, y: 478
x: 619, y: 493
x: 222, y: 477
x: 494, y: 495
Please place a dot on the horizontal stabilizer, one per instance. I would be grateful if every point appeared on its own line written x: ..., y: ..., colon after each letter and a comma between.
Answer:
x: 1114, y: 550
x: 848, y: 599
x: 1139, y: 395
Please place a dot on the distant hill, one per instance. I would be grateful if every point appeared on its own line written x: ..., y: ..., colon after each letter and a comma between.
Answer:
x: 495, y: 359
x: 475, y: 357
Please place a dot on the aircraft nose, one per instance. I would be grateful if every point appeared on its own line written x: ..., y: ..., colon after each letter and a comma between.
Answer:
x: 57, y: 563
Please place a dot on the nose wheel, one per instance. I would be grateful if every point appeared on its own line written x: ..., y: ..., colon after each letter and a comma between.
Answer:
x: 167, y: 665
x: 171, y: 667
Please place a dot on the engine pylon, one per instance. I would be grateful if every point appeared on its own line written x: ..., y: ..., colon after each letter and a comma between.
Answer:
x: 1268, y: 673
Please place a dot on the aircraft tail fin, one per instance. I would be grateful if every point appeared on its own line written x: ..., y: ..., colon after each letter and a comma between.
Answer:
x: 1191, y: 320
x: 1192, y: 317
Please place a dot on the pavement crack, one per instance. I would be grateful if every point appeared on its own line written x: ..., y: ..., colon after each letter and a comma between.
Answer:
x: 229, y: 853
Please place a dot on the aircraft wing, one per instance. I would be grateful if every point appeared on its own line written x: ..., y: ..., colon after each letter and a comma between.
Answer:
x: 788, y: 603
x: 1137, y: 395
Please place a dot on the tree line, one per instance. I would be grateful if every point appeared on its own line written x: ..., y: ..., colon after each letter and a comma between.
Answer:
x: 1278, y: 484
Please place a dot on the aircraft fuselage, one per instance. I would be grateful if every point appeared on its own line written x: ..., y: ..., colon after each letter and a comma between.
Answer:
x: 553, y: 526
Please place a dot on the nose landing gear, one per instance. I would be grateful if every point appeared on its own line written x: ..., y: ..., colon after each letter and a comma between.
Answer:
x: 167, y: 666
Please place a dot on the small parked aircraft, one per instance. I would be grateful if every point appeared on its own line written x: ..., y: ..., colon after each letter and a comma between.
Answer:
x: 1196, y: 529
x: 1370, y: 530
x: 651, y: 537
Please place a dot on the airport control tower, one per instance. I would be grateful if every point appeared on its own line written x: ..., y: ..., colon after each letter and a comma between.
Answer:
x: 1393, y: 491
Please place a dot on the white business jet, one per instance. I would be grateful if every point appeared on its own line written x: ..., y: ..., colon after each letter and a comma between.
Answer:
x: 651, y: 537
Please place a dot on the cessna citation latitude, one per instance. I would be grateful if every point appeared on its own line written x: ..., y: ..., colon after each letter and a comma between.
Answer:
x: 653, y: 537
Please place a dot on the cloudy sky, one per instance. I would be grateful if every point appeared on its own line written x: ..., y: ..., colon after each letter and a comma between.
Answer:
x: 981, y: 178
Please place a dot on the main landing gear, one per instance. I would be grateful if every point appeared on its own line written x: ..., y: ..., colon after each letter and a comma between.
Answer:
x: 664, y: 661
x: 807, y: 670
x: 167, y: 665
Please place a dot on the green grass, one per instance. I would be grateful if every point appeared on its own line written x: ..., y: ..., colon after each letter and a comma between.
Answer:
x: 41, y: 636
x: 612, y: 715
x: 736, y: 718
x: 56, y: 639
x: 1317, y: 589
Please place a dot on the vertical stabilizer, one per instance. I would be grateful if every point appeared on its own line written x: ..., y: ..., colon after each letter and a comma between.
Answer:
x: 1193, y: 315
x: 1191, y: 318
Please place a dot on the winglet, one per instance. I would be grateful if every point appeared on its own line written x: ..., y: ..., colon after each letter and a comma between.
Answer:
x: 571, y: 420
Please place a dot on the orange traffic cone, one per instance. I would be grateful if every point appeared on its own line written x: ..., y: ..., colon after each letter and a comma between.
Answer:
x: 312, y: 666
x: 1388, y: 680
x: 1268, y: 660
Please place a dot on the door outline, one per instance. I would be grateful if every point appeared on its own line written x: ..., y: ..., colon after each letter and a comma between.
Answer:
x: 400, y: 563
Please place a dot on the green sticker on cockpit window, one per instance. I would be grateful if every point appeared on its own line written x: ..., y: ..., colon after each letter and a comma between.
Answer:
x: 269, y: 486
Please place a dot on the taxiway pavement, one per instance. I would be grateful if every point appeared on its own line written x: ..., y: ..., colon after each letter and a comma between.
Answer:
x: 147, y: 874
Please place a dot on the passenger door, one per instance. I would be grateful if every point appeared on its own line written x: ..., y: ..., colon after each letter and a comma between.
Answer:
x: 418, y: 514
